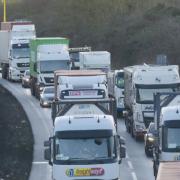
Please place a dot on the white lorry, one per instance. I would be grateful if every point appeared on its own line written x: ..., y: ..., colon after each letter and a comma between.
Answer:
x: 95, y: 60
x: 141, y: 82
x: 116, y: 88
x: 81, y: 84
x: 14, y: 48
x: 47, y: 55
x: 85, y: 143
x: 167, y: 129
x: 74, y: 55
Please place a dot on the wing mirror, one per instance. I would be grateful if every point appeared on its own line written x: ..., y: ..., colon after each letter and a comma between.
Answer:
x: 122, y: 147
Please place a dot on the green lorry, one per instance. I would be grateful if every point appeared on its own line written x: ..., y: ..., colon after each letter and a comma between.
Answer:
x: 47, y: 55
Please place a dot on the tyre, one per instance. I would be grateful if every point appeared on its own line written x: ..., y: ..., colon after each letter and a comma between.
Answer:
x: 132, y: 129
x: 154, y: 169
x: 147, y: 152
x: 32, y: 91
x: 41, y: 104
x: 127, y: 126
x: 4, y: 72
x: 23, y: 84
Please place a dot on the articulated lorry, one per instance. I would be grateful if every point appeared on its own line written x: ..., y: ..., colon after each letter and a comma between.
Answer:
x: 85, y: 143
x: 95, y: 60
x: 47, y: 55
x: 14, y: 48
x: 167, y: 130
x: 140, y: 83
x: 81, y: 84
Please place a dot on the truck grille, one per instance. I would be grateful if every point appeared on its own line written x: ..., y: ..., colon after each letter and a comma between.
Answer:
x: 22, y: 64
x: 49, y: 79
x: 82, y: 87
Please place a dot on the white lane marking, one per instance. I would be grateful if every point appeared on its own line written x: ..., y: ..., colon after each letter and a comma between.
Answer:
x: 130, y: 165
x: 40, y: 162
x: 134, y: 176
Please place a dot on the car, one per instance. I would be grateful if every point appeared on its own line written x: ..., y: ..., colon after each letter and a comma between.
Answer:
x: 149, y: 140
x: 47, y: 96
x: 26, y: 79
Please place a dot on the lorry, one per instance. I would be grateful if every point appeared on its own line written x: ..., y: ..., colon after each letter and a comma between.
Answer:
x: 95, y: 60
x: 167, y: 130
x: 85, y: 143
x: 47, y: 55
x: 116, y: 88
x: 140, y: 83
x: 14, y: 48
x: 81, y: 84
x: 74, y: 55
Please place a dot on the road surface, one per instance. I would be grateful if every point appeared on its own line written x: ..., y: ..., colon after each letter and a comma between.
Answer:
x: 135, y: 167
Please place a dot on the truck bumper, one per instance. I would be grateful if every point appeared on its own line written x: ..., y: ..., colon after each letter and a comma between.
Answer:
x: 16, y: 76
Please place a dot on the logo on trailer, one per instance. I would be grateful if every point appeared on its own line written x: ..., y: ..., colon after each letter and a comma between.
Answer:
x: 84, y: 172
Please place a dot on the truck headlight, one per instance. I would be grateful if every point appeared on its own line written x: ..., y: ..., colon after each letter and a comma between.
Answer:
x: 41, y: 88
x: 150, y: 139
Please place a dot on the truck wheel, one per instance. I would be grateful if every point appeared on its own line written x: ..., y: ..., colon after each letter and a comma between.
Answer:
x: 147, y: 152
x: 32, y: 91
x: 155, y: 170
x: 4, y: 72
x: 132, y: 129
x: 128, y: 129
x: 37, y: 93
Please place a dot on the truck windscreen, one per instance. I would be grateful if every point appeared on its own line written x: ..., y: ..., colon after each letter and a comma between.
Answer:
x: 20, y: 51
x: 147, y: 95
x: 53, y: 65
x: 85, y: 149
x: 120, y: 80
x: 171, y: 140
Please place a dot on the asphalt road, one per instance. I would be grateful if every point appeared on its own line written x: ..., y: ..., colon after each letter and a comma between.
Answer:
x: 135, y: 167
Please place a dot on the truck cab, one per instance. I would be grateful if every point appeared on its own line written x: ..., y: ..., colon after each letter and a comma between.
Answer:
x: 82, y: 84
x: 170, y: 133
x: 15, y: 56
x: 19, y: 54
x: 85, y: 147
x: 119, y: 90
x: 47, y: 55
x: 141, y: 82
x: 167, y: 129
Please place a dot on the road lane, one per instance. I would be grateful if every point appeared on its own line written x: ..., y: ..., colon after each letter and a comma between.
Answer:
x: 138, y: 165
x: 135, y: 167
